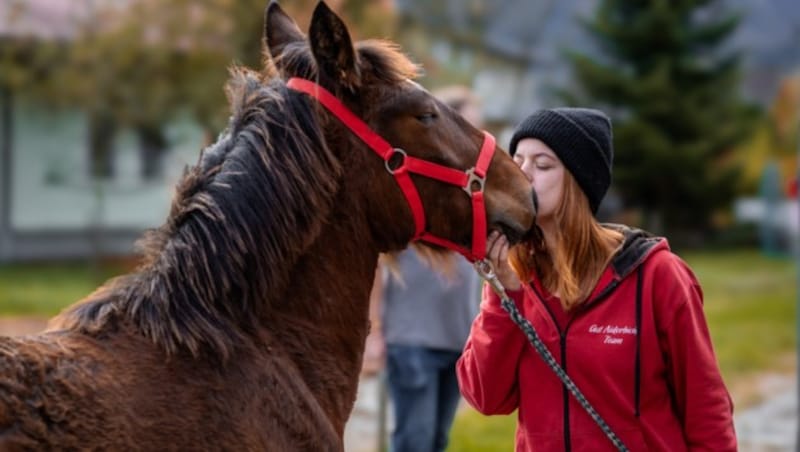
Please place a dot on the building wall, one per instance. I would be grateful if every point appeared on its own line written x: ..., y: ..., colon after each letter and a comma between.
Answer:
x: 57, y: 210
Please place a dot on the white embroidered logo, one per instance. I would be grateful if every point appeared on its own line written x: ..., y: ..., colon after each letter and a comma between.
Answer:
x: 612, y: 334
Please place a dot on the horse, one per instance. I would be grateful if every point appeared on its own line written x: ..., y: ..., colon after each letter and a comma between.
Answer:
x: 244, y: 326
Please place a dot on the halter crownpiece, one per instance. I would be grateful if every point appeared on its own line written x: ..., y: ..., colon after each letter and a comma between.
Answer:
x: 472, y: 181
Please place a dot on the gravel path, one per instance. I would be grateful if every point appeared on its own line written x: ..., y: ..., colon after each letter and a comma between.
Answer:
x: 771, y: 425
x: 362, y: 431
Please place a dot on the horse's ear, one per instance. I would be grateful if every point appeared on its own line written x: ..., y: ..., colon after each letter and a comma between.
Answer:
x: 332, y: 48
x: 279, y: 30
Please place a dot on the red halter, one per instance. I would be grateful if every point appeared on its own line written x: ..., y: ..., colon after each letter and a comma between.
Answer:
x: 472, y: 181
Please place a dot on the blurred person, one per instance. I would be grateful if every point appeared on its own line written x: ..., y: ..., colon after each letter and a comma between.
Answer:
x: 421, y: 314
x: 618, y: 310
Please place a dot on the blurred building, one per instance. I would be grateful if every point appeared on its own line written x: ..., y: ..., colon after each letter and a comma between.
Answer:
x: 50, y: 205
x: 514, y: 49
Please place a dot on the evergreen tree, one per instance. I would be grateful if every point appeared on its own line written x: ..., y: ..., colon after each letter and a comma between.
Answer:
x: 672, y: 91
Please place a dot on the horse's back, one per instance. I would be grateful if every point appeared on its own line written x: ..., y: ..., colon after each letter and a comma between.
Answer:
x: 68, y: 391
x: 65, y: 390
x: 48, y: 394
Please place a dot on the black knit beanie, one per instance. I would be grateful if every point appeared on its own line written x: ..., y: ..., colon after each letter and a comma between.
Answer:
x: 581, y: 138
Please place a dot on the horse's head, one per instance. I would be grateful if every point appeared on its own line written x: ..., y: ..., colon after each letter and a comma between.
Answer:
x: 375, y: 82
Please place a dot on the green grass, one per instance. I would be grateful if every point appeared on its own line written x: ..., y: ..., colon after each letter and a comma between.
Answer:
x: 750, y: 304
x: 44, y: 289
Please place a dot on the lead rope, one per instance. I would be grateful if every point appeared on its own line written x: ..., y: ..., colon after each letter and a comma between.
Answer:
x: 486, y: 271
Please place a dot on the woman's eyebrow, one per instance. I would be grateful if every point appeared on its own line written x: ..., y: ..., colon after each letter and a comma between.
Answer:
x: 537, y: 155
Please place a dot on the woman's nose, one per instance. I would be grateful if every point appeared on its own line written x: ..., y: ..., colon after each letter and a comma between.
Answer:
x: 528, y: 170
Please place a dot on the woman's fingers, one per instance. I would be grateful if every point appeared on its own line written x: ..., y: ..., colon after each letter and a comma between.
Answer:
x: 503, y: 243
x: 493, y: 247
x: 497, y: 251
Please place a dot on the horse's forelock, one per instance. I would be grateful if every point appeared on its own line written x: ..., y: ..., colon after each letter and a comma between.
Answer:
x: 386, y: 62
x: 380, y: 59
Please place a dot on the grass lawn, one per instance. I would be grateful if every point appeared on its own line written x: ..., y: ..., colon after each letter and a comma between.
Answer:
x: 44, y: 289
x: 750, y: 303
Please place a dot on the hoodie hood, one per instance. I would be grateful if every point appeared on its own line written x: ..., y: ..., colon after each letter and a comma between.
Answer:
x: 637, y: 246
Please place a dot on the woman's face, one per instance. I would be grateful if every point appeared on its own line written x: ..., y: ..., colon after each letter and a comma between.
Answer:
x: 545, y: 172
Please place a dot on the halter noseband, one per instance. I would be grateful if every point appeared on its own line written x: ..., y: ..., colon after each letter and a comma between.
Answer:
x: 472, y: 181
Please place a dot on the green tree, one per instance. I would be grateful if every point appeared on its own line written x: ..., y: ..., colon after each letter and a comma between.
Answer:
x: 673, y: 94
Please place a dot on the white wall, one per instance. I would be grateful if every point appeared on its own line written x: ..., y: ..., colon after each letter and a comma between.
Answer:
x: 51, y: 187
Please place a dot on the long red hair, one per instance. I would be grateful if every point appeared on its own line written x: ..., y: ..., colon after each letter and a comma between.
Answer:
x: 580, y: 250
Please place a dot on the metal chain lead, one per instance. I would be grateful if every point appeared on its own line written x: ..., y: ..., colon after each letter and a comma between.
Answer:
x: 486, y: 271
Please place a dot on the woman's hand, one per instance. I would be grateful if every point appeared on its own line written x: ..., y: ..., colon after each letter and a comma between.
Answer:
x: 374, y: 352
x: 497, y: 253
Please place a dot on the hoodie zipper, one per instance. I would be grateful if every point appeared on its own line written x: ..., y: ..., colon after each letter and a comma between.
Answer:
x: 563, y: 345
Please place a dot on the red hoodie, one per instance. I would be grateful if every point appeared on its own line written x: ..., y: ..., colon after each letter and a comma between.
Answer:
x: 658, y: 391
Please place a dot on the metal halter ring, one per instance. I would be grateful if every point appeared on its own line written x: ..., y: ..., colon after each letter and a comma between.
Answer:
x: 472, y: 179
x: 395, y: 151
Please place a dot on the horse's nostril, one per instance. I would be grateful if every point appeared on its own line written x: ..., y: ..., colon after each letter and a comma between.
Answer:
x: 535, y: 201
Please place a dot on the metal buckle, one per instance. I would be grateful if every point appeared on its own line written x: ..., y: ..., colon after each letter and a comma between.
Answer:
x: 473, y: 178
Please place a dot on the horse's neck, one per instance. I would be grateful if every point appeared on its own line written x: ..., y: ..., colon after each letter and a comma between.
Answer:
x: 322, y: 318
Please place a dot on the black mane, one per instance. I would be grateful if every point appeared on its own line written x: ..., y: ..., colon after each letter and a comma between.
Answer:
x: 239, y: 219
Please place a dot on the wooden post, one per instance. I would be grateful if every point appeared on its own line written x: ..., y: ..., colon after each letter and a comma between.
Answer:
x: 383, y: 408
x: 6, y: 144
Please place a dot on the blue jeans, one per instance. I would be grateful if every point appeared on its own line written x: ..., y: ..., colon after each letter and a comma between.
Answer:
x: 424, y: 391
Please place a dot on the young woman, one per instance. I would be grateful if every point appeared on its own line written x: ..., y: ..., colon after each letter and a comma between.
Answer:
x: 619, y: 311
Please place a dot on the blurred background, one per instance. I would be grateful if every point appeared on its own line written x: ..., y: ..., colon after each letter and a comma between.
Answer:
x: 104, y: 102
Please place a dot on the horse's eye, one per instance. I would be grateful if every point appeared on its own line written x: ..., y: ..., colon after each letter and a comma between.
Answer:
x: 427, y: 118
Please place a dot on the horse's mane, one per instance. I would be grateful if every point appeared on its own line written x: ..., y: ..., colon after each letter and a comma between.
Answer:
x: 203, y: 280
x: 209, y: 270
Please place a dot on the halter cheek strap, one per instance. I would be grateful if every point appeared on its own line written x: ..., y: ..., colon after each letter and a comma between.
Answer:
x: 472, y: 181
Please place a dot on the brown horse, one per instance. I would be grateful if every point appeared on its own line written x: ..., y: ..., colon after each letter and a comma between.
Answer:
x: 244, y: 328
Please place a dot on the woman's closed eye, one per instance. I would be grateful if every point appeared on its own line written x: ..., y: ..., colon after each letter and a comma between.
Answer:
x: 544, y: 162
